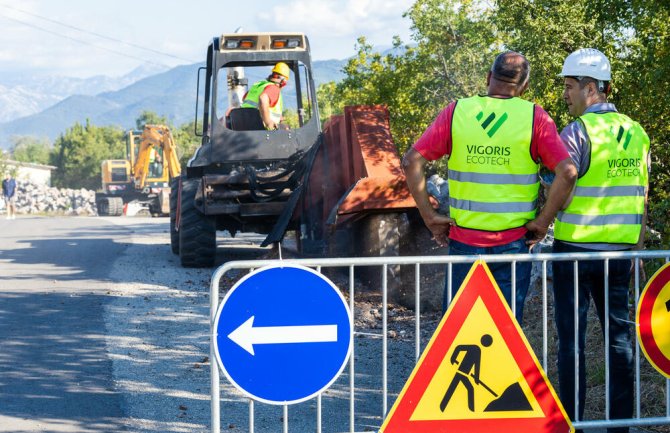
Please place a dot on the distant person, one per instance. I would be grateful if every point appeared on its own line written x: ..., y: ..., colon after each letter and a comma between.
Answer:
x: 495, y: 144
x: 606, y: 213
x: 266, y: 97
x: 9, y: 194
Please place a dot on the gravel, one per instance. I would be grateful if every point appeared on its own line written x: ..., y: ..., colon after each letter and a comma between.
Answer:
x: 158, y: 339
x: 34, y: 198
x: 157, y: 335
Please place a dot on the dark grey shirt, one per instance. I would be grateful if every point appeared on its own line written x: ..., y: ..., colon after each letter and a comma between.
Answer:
x: 577, y: 143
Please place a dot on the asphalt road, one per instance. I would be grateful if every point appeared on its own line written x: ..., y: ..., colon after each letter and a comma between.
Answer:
x: 55, y: 375
x: 101, y: 330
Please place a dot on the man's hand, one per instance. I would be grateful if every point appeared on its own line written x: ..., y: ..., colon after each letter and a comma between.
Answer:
x: 559, y: 192
x: 537, y: 231
x: 413, y: 165
x: 439, y: 226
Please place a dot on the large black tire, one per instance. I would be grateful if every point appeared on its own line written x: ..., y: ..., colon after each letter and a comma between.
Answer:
x: 103, y: 206
x: 174, y: 208
x: 115, y: 206
x: 197, y: 232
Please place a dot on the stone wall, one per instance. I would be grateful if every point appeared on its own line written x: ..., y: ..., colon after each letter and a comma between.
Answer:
x: 33, y: 198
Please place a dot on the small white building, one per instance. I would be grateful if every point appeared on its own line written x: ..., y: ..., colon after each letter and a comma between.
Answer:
x: 35, y: 173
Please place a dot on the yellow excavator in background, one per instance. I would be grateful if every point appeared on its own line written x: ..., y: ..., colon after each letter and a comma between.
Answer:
x: 143, y: 178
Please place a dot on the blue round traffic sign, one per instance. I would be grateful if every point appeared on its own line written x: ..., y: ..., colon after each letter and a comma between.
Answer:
x: 283, y: 334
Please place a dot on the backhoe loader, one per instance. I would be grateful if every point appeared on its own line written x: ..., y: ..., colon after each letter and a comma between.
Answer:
x: 296, y: 178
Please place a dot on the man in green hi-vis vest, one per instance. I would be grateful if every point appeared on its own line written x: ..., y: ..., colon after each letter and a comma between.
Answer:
x: 265, y: 96
x: 495, y: 144
x: 607, y: 212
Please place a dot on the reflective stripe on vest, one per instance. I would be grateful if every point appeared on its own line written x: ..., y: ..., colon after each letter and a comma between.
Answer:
x: 493, y: 180
x: 254, y: 94
x: 608, y: 202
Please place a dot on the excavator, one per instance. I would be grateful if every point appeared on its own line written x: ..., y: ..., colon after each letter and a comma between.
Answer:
x: 144, y: 177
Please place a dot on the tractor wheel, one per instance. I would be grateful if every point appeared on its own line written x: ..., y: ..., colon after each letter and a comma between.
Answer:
x: 197, y: 232
x: 174, y: 209
x: 115, y: 206
x: 103, y: 206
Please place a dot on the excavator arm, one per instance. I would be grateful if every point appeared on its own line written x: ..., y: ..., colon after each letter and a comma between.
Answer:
x: 155, y: 137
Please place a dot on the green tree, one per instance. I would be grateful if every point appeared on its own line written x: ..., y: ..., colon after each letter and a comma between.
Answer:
x: 4, y: 166
x: 546, y: 31
x: 643, y: 94
x: 186, y: 141
x: 633, y: 35
x: 79, y: 152
x: 325, y: 96
x: 31, y: 149
x: 454, y: 46
x: 147, y: 117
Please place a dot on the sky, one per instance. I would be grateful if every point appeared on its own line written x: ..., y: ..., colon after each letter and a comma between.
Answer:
x: 83, y: 38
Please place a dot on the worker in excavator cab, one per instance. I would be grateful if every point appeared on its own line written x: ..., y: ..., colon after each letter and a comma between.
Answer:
x: 155, y: 163
x: 265, y: 96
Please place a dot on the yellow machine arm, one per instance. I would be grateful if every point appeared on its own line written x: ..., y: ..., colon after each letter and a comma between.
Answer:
x: 156, y: 136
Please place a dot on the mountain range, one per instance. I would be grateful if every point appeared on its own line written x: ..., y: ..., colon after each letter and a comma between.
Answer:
x: 47, y: 106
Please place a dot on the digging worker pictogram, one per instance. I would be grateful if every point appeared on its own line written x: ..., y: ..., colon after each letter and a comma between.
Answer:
x: 495, y: 144
x: 468, y: 368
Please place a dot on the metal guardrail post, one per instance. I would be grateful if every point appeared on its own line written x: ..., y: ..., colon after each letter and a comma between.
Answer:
x: 607, y: 325
x: 352, y: 370
x: 385, y: 338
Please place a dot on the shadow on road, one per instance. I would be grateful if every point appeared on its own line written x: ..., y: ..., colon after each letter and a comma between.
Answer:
x: 53, y: 362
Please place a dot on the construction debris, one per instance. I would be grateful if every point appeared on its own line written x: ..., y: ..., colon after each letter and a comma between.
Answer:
x: 33, y: 198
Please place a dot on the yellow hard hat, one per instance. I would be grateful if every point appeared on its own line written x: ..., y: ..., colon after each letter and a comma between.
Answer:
x: 282, y: 69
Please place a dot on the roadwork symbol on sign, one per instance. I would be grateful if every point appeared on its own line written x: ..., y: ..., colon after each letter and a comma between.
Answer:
x: 653, y: 320
x: 478, y: 373
x: 283, y: 334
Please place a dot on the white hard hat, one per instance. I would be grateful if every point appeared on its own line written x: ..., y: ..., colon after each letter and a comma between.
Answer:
x: 587, y: 62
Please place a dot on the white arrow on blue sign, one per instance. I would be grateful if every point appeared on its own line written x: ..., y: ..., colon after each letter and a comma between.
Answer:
x: 283, y: 334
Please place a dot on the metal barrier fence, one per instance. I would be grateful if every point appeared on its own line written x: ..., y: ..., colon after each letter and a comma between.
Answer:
x: 358, y: 402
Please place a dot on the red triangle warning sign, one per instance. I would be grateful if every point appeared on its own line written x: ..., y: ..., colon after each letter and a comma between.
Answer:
x: 478, y: 373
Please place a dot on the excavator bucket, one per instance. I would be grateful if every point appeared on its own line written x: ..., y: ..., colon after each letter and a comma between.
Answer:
x: 356, y: 176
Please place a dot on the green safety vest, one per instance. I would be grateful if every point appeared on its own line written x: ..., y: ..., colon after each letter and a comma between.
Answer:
x: 254, y: 94
x: 608, y: 202
x: 493, y: 180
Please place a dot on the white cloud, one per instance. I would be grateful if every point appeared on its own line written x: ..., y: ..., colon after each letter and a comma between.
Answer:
x: 340, y: 22
x: 331, y: 25
x: 343, y: 17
